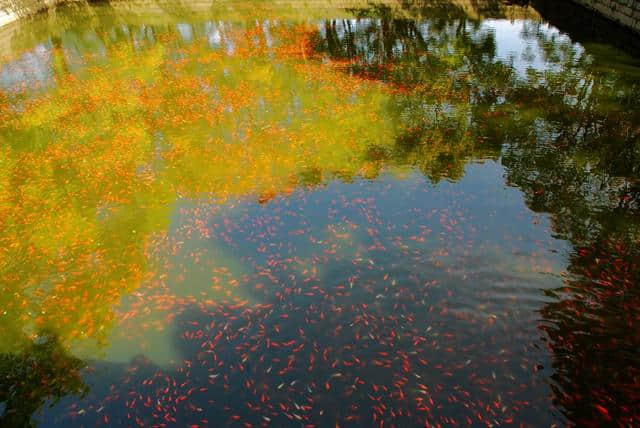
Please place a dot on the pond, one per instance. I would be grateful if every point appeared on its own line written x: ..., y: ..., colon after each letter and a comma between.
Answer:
x: 255, y: 213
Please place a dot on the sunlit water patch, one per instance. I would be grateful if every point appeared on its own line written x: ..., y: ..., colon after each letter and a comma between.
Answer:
x: 375, y: 215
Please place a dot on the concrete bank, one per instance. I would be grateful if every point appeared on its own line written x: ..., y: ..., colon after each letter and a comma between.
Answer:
x: 623, y: 12
x: 12, y: 10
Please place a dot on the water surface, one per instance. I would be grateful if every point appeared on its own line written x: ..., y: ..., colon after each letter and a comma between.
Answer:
x: 256, y: 214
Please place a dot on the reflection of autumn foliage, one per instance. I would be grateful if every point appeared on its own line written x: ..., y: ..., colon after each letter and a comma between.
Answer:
x: 263, y: 125
x: 594, y: 333
x: 69, y: 163
x: 92, y: 166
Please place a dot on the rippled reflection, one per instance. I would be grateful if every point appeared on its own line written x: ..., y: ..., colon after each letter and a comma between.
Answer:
x: 381, y: 215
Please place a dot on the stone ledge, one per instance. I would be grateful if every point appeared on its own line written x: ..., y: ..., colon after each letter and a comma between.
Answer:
x: 623, y: 12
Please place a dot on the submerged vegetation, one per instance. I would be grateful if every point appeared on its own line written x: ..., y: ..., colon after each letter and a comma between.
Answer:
x: 306, y: 221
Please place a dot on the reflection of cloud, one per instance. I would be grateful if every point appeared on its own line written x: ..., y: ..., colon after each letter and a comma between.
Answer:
x: 32, y: 69
x: 186, y: 32
x: 513, y: 47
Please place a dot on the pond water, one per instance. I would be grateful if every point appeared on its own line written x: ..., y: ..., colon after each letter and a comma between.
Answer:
x: 263, y: 214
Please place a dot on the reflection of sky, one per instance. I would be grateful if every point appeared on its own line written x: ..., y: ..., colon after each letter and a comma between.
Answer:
x: 34, y: 68
x: 186, y: 32
x: 513, y: 47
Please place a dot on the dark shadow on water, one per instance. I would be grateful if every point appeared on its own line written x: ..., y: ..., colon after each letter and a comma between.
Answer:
x: 586, y: 26
x: 42, y: 372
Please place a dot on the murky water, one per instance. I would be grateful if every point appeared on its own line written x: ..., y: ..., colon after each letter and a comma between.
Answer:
x: 264, y: 215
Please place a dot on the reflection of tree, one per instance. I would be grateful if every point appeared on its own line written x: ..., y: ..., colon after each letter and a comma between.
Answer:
x: 576, y: 143
x: 181, y: 119
x: 440, y: 104
x: 571, y: 143
x: 575, y: 154
x: 42, y: 372
x: 593, y: 331
x: 91, y: 168
x: 69, y: 255
x: 579, y: 162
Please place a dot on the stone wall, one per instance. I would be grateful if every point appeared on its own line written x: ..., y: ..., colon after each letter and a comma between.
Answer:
x: 624, y: 12
x: 11, y: 10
